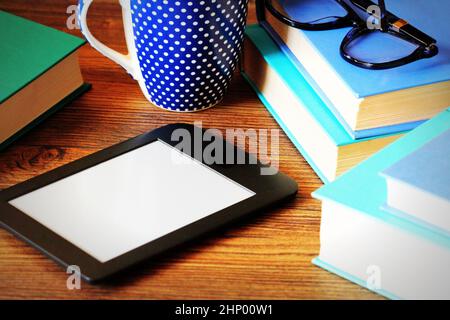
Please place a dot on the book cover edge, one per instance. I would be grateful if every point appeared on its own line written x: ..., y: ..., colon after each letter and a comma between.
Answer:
x: 34, y: 123
x: 403, y: 215
x: 347, y: 276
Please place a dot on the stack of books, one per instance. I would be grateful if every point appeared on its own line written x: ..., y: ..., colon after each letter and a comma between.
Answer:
x: 39, y: 74
x: 385, y: 223
x: 335, y: 113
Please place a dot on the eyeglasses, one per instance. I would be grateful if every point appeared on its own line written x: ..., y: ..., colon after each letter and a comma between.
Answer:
x: 365, y: 18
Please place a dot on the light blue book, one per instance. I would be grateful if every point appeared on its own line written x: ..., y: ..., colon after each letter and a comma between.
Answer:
x: 356, y: 96
x: 360, y: 241
x: 419, y: 184
x: 295, y: 105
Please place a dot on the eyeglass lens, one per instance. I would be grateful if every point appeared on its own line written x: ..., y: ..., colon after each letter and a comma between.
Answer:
x: 310, y: 11
x: 379, y: 47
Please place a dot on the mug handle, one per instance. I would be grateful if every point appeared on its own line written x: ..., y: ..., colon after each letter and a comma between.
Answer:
x: 126, y: 61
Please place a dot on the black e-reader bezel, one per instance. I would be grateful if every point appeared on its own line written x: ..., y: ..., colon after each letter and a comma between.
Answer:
x: 268, y: 189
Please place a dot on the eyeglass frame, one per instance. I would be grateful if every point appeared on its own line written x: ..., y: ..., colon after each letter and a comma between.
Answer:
x: 389, y: 23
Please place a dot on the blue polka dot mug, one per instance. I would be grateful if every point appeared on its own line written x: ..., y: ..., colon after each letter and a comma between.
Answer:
x: 182, y: 52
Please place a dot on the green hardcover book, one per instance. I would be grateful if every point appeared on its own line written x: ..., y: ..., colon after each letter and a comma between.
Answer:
x: 39, y: 73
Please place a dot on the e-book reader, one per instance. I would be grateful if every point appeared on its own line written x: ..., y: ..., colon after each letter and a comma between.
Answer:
x: 132, y: 201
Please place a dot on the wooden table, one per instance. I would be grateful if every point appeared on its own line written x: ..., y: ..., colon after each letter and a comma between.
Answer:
x: 268, y: 257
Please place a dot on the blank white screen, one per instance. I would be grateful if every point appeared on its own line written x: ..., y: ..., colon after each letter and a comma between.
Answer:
x: 123, y: 203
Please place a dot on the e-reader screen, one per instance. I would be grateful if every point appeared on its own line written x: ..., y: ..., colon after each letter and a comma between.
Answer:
x: 130, y: 200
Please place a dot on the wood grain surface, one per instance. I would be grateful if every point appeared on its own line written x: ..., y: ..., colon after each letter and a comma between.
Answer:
x: 267, y: 257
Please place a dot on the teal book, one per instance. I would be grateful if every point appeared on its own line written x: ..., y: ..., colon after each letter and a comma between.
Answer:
x: 39, y: 73
x: 384, y: 252
x: 418, y: 186
x: 367, y: 102
x: 301, y: 113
